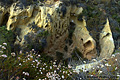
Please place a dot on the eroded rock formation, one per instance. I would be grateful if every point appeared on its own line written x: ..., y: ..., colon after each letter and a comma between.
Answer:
x: 47, y: 24
x: 106, y: 41
x: 83, y: 41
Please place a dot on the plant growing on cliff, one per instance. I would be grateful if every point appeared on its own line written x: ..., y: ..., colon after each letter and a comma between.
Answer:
x: 30, y: 65
x: 6, y: 36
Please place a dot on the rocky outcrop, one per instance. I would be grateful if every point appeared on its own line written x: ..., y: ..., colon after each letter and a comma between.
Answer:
x: 45, y: 26
x: 101, y: 64
x: 28, y: 22
x: 83, y: 41
x: 106, y: 41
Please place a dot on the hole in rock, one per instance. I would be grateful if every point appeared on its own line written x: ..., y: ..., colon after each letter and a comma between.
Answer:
x: 81, y: 39
x: 5, y: 18
x: 88, y: 44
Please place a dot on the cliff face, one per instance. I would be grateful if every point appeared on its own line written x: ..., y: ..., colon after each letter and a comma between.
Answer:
x: 46, y: 25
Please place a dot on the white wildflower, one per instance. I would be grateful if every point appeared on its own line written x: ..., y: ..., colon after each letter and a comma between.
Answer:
x: 107, y: 64
x: 19, y: 58
x: 20, y: 51
x: 3, y: 47
x: 84, y: 62
x: 101, y: 65
x: 38, y: 55
x: 50, y: 67
x: 23, y: 61
x: 54, y: 65
x: 33, y: 50
x: 24, y: 79
x: 91, y: 75
x: 28, y: 58
x: 5, y: 44
x: 37, y: 67
x: 44, y: 64
x: 33, y: 66
x: 63, y: 76
x: 27, y: 73
x: 20, y: 64
x: 33, y: 61
x: 53, y: 78
x: 60, y: 71
x: 23, y: 72
x: 4, y: 55
x: 116, y: 68
x: 54, y: 62
x: 71, y: 73
x: 94, y: 60
x: 36, y: 60
x: 31, y: 56
x: 1, y: 51
x: 13, y: 54
x: 115, y: 59
x: 41, y: 72
x: 37, y: 73
x: 84, y: 70
x: 99, y: 72
x: 43, y: 68
x: 69, y: 66
x: 113, y: 55
x: 54, y: 71
x: 118, y: 75
x: 66, y: 72
x: 98, y: 67
x: 40, y: 67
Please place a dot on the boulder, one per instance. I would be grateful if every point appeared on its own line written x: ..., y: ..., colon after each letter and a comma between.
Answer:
x: 83, y: 41
x: 106, y: 41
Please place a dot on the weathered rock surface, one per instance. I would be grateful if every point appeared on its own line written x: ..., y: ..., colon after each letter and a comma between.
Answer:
x: 106, y: 41
x: 28, y: 21
x: 44, y: 26
x: 112, y: 61
x: 83, y: 41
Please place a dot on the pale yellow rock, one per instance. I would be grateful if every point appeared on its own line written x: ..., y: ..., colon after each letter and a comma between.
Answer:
x: 50, y: 17
x: 83, y: 41
x: 106, y: 41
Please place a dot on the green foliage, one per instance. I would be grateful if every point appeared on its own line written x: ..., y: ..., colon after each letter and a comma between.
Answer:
x: 6, y: 37
x: 30, y: 65
x: 43, y: 34
x: 4, y: 33
x: 59, y: 55
x: 117, y: 29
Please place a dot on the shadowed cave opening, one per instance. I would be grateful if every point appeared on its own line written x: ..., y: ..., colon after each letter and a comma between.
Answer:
x: 88, y: 44
x: 5, y: 18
